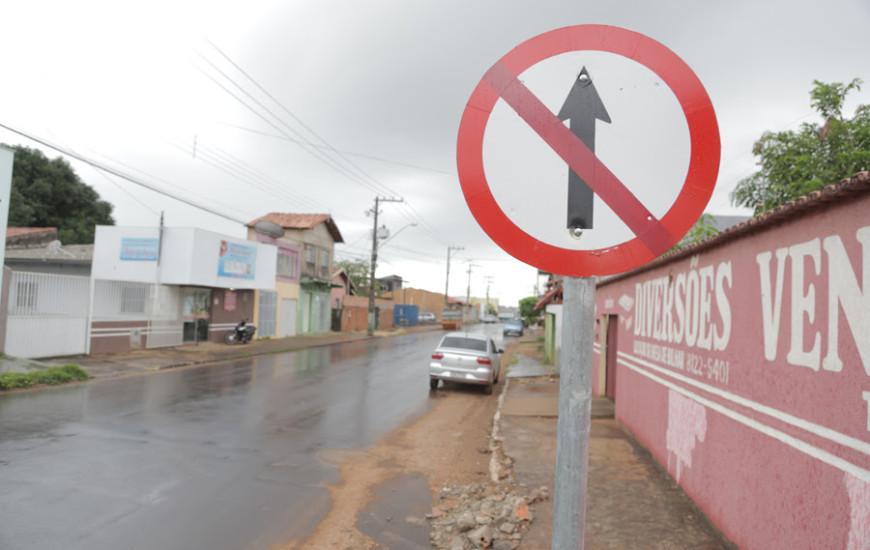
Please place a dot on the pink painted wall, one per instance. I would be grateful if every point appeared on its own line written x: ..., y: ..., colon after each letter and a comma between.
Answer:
x: 745, y: 370
x: 339, y: 292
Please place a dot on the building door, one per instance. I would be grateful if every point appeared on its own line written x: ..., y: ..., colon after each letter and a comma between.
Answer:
x: 288, y: 317
x: 267, y: 319
x: 304, y: 324
x: 610, y: 356
x: 196, y: 311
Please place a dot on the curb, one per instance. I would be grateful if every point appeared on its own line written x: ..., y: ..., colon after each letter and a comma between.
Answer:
x: 495, y: 450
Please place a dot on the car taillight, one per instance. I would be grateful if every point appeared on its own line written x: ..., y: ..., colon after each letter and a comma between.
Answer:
x: 437, y: 356
x: 484, y: 360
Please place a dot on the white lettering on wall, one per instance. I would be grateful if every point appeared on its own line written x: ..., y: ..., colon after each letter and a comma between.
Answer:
x: 720, y: 339
x: 690, y: 308
x: 843, y: 292
x: 803, y: 303
x: 866, y: 396
x: 679, y: 292
x: 692, y: 294
x: 771, y: 307
x: 705, y: 328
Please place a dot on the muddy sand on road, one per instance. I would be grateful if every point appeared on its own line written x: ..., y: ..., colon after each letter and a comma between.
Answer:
x: 448, y: 446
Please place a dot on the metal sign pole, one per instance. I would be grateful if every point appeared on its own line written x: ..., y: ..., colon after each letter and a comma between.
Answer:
x: 575, y: 412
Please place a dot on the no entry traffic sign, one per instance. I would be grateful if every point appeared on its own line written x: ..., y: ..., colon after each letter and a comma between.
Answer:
x: 651, y: 232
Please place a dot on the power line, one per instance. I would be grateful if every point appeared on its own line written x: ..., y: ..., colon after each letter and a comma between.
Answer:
x: 343, y: 152
x: 119, y: 174
x: 349, y: 169
x: 383, y: 187
x: 306, y: 145
x: 129, y: 194
x: 236, y: 168
x: 164, y: 181
x: 113, y: 182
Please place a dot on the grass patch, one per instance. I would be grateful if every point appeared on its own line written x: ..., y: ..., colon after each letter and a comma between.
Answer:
x: 51, y: 376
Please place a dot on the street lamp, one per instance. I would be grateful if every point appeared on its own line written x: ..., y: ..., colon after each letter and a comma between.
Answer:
x: 393, y: 236
x: 372, y: 320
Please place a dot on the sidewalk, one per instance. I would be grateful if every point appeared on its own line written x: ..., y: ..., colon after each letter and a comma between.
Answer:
x: 148, y: 360
x: 632, y: 503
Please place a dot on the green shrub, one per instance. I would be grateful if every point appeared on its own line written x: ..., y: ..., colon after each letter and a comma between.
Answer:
x: 50, y: 376
x: 13, y: 380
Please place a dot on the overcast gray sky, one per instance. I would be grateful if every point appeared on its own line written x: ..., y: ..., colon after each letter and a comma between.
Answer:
x: 319, y: 106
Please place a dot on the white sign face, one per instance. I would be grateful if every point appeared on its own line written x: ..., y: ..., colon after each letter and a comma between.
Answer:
x: 588, y: 150
x: 646, y: 145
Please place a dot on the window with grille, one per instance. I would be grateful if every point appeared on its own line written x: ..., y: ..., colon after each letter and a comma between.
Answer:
x: 309, y: 257
x: 25, y: 296
x: 134, y: 298
x: 324, y: 264
x: 286, y: 264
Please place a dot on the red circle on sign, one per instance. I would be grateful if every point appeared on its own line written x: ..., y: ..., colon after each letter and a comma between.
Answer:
x: 693, y: 196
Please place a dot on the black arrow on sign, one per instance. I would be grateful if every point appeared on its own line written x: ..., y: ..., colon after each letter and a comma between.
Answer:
x: 582, y: 107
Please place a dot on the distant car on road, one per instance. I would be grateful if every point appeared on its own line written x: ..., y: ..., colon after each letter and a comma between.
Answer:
x: 466, y: 358
x: 488, y: 318
x: 426, y: 317
x: 513, y: 327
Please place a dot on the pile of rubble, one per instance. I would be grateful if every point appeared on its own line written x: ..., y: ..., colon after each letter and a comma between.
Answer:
x: 484, y: 515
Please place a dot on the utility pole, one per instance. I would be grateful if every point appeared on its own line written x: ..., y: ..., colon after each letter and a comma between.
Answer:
x: 488, y: 279
x: 447, y: 284
x: 468, y: 292
x: 372, y: 317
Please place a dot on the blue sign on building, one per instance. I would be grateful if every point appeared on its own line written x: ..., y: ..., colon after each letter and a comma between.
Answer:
x: 140, y: 249
x: 237, y: 260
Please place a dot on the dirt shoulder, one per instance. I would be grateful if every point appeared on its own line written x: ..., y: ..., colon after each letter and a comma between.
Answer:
x: 449, y: 446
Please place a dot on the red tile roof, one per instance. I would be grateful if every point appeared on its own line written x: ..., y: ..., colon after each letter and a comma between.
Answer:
x: 19, y: 231
x: 554, y: 296
x: 842, y: 191
x: 302, y: 221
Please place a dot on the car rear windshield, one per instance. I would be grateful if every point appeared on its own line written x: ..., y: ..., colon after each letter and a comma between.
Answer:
x: 461, y: 342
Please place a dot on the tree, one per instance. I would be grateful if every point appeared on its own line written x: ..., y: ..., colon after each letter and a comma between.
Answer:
x: 528, y: 311
x: 795, y: 163
x: 358, y: 271
x: 703, y: 228
x: 48, y: 193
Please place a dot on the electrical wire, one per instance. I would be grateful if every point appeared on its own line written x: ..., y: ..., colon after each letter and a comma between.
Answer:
x: 385, y: 189
x: 237, y: 169
x: 119, y: 174
x: 348, y: 169
x: 305, y: 144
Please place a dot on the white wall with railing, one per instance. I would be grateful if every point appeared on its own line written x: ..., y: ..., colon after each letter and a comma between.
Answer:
x: 47, y: 315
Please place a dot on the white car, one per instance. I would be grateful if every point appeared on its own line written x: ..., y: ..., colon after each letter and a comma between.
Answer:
x: 467, y: 358
x: 426, y: 317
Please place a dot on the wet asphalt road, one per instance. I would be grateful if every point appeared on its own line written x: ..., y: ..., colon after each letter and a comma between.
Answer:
x: 214, y: 457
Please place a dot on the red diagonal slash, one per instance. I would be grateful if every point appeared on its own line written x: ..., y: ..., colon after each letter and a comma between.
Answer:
x: 585, y: 164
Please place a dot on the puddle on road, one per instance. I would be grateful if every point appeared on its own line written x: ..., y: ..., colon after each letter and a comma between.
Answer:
x: 396, y: 516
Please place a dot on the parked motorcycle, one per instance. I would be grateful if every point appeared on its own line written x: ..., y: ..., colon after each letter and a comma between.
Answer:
x: 242, y: 334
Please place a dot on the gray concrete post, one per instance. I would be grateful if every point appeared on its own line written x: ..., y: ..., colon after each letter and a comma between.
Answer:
x: 575, y: 412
